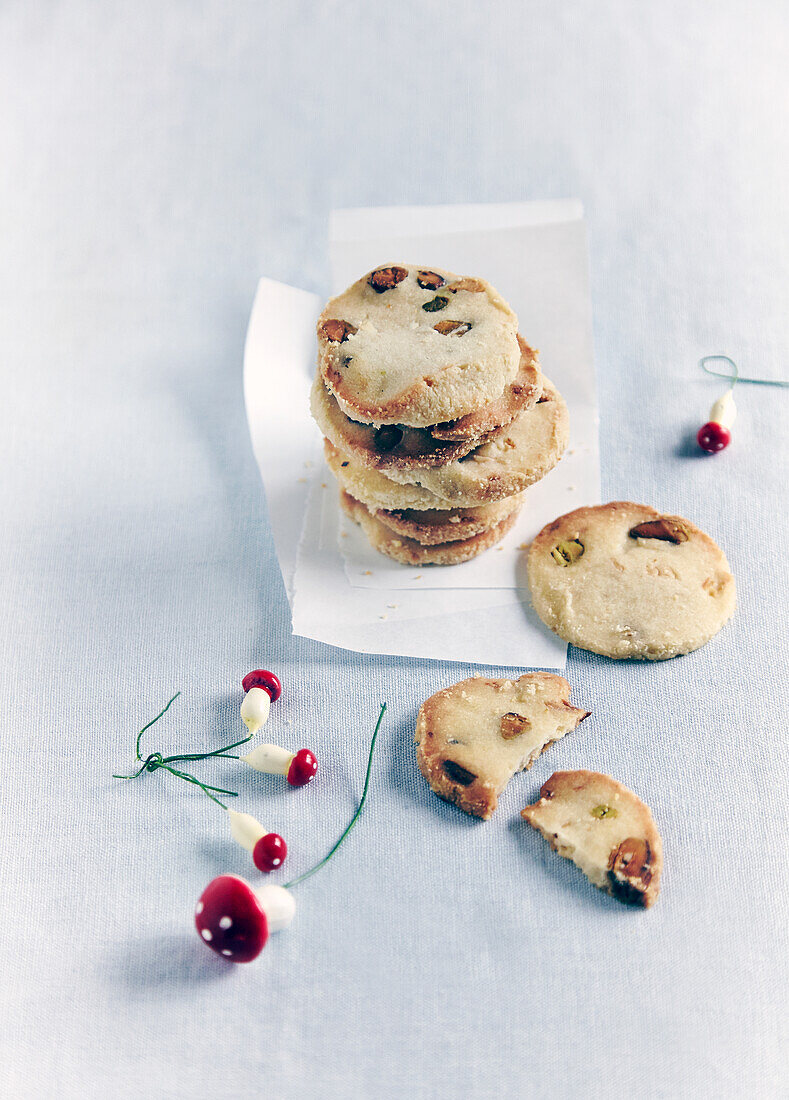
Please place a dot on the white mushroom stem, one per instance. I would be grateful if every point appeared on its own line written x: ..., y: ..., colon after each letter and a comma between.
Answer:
x: 255, y: 709
x: 269, y: 758
x: 278, y: 905
x: 245, y: 829
x: 724, y: 411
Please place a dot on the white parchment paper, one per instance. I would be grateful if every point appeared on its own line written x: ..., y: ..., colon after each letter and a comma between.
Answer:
x: 535, y: 254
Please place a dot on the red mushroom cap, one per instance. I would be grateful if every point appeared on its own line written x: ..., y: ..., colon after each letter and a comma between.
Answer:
x: 713, y: 437
x: 262, y: 678
x: 302, y: 768
x: 230, y: 919
x: 269, y: 852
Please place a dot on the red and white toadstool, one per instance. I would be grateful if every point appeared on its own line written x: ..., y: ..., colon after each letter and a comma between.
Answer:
x: 299, y: 768
x: 716, y: 433
x: 235, y: 920
x: 262, y: 689
x: 268, y: 849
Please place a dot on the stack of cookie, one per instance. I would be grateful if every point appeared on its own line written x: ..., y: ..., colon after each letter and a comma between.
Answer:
x: 435, y: 413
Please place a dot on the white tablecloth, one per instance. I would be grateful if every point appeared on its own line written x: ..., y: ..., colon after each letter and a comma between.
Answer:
x: 155, y: 159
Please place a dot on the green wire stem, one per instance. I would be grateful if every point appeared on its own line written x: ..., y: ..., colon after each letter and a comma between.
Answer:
x: 355, y: 818
x: 154, y: 761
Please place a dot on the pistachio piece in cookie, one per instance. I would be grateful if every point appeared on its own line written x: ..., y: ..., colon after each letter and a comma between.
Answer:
x: 623, y: 580
x: 605, y: 829
x: 336, y: 331
x: 472, y: 737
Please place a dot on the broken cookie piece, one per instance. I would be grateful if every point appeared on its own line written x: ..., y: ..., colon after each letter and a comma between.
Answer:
x: 472, y: 737
x: 605, y: 829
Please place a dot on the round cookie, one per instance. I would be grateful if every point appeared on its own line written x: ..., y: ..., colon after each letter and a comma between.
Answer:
x: 374, y: 489
x: 623, y: 580
x: 433, y: 526
x: 389, y: 447
x: 514, y: 457
x: 519, y: 395
x: 410, y: 552
x: 473, y: 736
x: 417, y: 346
x: 400, y: 447
x: 605, y: 829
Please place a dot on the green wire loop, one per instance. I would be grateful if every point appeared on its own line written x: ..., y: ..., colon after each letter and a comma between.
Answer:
x: 154, y: 761
x: 734, y: 376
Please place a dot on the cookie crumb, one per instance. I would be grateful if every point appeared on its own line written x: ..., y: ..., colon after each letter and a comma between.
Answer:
x: 367, y: 573
x: 302, y: 480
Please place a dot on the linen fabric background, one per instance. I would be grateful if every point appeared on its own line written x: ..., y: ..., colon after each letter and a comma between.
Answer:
x: 154, y: 161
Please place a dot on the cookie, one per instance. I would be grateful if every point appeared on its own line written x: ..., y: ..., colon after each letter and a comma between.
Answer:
x: 396, y: 446
x: 605, y: 830
x: 514, y: 458
x: 519, y: 395
x: 410, y: 552
x: 472, y: 737
x: 388, y: 447
x: 417, y: 346
x: 623, y: 580
x: 434, y: 526
x: 374, y: 489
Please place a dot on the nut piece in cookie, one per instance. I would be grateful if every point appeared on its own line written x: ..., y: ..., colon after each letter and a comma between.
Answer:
x: 606, y: 831
x: 623, y: 580
x: 389, y: 447
x: 472, y: 737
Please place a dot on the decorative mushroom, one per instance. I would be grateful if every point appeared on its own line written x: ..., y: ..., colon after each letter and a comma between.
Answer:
x: 235, y: 921
x: 268, y: 849
x: 299, y: 768
x: 716, y: 433
x: 262, y: 689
